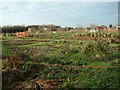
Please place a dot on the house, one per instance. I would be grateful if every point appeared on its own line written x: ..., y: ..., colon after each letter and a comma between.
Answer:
x: 42, y: 28
x: 114, y: 29
x: 91, y: 29
x: 81, y: 29
x: 101, y: 28
x: 34, y: 29
x: 118, y: 27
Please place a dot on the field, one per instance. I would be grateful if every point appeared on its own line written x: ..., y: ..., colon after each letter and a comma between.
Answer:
x: 62, y: 60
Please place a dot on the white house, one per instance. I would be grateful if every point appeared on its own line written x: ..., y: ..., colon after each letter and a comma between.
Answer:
x: 118, y: 27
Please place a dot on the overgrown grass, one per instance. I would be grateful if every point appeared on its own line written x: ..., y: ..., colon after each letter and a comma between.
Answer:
x: 61, y: 59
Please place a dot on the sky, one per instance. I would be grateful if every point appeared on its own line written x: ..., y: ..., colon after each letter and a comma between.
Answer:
x: 72, y: 13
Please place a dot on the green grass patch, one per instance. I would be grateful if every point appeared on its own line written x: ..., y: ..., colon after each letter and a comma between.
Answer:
x: 115, y: 45
x: 35, y: 44
x: 99, y: 63
x: 6, y: 51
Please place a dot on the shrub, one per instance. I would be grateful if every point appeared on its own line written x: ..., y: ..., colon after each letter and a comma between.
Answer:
x: 11, y: 76
x: 98, y: 51
x: 26, y: 66
x: 104, y: 48
x: 40, y: 58
x: 73, y: 50
x: 67, y: 85
x: 31, y: 70
x: 24, y: 56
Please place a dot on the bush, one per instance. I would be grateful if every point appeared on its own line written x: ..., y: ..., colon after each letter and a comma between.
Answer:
x: 24, y: 56
x: 40, y: 58
x: 98, y: 51
x: 31, y: 70
x: 73, y: 50
x: 55, y: 59
x: 26, y: 66
x: 67, y: 85
x: 11, y: 76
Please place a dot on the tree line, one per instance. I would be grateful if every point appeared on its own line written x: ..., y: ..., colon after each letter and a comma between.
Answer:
x: 13, y: 29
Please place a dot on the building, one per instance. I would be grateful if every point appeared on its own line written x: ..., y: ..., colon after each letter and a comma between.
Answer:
x: 42, y: 28
x: 118, y: 27
x: 101, y: 28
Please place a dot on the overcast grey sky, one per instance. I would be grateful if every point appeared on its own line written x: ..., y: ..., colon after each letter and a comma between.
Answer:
x: 62, y: 13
